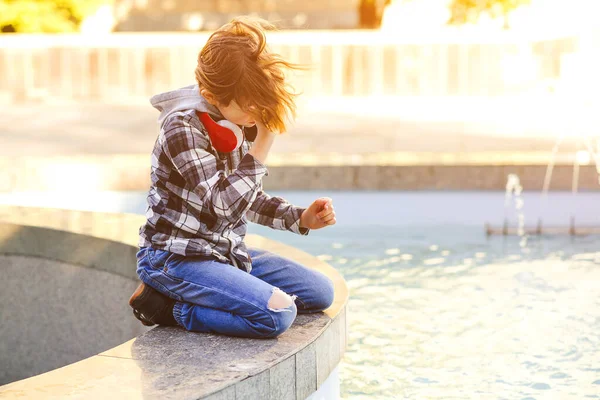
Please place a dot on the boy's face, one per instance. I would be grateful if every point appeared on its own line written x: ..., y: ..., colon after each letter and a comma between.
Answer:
x: 232, y: 112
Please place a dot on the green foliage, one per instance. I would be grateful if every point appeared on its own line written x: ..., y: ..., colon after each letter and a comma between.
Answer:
x: 464, y: 11
x: 46, y: 16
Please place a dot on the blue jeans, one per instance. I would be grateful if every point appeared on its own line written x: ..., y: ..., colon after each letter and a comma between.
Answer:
x: 217, y: 297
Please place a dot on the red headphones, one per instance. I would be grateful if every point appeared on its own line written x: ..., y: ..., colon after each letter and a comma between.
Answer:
x: 225, y: 136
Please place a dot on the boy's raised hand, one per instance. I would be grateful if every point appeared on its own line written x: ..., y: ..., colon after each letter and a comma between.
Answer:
x: 319, y: 214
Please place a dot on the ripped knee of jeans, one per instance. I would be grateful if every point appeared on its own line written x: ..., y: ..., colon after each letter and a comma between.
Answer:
x: 280, y: 301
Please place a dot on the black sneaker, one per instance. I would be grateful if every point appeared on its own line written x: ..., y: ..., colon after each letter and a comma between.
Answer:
x: 152, y: 307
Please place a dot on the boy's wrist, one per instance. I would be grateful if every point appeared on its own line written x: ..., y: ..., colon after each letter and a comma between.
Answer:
x: 262, y: 130
x: 302, y: 222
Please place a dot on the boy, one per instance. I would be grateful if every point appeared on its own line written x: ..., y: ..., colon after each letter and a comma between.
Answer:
x: 195, y: 269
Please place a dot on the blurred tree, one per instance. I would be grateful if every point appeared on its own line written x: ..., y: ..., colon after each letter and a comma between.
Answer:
x: 367, y: 14
x: 370, y: 13
x: 464, y: 11
x: 46, y: 16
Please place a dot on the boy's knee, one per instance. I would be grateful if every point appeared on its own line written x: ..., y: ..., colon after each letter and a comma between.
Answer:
x: 283, y: 310
x: 323, y: 295
x: 328, y: 294
x: 279, y: 300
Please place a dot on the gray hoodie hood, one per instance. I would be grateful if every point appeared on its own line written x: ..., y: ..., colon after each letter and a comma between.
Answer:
x: 186, y: 98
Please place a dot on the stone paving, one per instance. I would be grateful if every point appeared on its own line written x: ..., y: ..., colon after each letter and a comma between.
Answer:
x: 366, y: 127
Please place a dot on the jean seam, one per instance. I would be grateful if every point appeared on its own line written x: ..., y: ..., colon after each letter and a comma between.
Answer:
x: 177, y: 310
x: 149, y: 279
x: 300, y: 300
x: 165, y: 264
x: 150, y: 258
x: 167, y: 274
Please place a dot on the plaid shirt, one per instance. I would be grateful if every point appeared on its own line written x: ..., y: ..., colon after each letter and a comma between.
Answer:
x: 200, y: 199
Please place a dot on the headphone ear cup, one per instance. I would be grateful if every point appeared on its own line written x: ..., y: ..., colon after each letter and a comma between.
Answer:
x: 237, y: 136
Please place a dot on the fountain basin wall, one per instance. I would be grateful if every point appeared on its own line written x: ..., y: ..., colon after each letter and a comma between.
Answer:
x: 59, y: 313
x: 66, y: 300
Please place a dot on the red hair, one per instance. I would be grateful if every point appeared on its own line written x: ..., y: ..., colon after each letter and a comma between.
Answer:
x: 235, y: 64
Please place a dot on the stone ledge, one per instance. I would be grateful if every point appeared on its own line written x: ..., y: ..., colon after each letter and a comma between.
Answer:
x: 187, y: 365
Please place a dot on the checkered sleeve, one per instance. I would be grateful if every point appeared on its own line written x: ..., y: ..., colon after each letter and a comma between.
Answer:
x: 228, y: 197
x: 275, y: 212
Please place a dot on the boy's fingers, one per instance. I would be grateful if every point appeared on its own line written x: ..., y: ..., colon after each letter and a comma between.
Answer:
x: 325, y: 202
x: 329, y: 218
x: 326, y: 214
x: 327, y: 211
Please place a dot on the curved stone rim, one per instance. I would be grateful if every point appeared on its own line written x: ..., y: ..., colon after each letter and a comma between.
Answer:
x: 102, y: 236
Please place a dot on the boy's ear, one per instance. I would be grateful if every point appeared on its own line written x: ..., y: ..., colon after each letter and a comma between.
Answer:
x: 208, y: 96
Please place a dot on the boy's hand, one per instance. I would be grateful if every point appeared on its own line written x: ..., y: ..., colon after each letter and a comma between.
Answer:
x: 262, y: 143
x: 318, y: 215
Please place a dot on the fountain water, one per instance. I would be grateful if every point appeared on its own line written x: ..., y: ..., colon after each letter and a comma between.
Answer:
x: 513, y: 186
x: 578, y: 101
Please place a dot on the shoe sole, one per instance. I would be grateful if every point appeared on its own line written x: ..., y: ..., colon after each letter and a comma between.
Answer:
x: 138, y: 292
